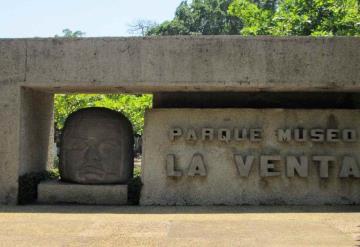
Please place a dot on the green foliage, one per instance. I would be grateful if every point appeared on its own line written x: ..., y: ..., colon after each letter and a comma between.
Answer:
x: 28, y: 184
x: 317, y: 17
x: 132, y: 106
x: 67, y: 33
x: 134, y: 187
x: 200, y: 17
x: 267, y: 4
x: 299, y: 17
x: 256, y: 19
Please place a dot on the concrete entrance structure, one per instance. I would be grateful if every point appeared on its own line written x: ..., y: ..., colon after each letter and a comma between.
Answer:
x: 32, y: 70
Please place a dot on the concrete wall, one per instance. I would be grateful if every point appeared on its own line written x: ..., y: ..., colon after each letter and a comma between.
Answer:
x: 222, y: 183
x: 32, y: 69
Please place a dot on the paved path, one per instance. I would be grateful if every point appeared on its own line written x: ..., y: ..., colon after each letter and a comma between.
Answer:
x: 41, y: 225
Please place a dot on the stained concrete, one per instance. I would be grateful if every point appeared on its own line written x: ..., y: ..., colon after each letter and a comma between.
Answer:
x: 10, y: 139
x: 223, y: 184
x: 37, y: 130
x: 31, y: 70
x: 179, y: 226
x: 26, y: 124
x: 183, y: 63
x: 60, y: 192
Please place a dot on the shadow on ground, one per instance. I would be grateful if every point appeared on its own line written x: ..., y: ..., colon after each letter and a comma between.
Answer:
x: 87, y: 209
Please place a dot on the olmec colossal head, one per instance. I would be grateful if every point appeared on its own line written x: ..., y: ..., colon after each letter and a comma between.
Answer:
x: 96, y: 147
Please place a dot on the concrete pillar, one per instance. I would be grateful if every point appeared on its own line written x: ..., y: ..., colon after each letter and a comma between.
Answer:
x: 9, y: 142
x: 26, y: 118
x: 37, y: 136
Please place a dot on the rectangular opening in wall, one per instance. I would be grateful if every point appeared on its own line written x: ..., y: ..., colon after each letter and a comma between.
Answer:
x: 96, y: 139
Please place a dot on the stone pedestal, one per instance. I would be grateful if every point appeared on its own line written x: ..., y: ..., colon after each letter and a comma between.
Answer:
x: 60, y: 192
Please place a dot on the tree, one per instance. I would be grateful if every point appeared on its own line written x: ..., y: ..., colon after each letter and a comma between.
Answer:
x: 67, y: 33
x: 267, y: 4
x: 299, y: 17
x: 141, y: 27
x: 317, y: 17
x: 256, y: 19
x: 207, y: 17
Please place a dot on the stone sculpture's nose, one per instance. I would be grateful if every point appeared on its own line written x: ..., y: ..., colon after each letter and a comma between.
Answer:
x: 92, y: 153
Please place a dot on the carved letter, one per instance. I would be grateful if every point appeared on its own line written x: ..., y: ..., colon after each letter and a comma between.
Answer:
x: 284, y: 135
x: 349, y: 135
x: 300, y: 135
x: 349, y: 168
x: 317, y: 135
x: 300, y: 166
x: 170, y: 166
x: 267, y: 165
x: 207, y: 134
x: 332, y: 135
x: 255, y: 135
x: 197, y: 166
x: 174, y: 132
x: 224, y: 135
x: 191, y: 135
x: 324, y: 164
x: 239, y: 135
x: 244, y: 168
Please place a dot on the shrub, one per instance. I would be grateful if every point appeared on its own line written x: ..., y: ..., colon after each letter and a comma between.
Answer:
x: 134, y: 187
x: 28, y: 184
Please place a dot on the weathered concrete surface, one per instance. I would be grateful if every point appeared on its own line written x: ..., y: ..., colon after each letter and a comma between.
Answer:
x: 25, y: 133
x: 9, y: 141
x: 179, y: 226
x: 155, y: 64
x: 12, y: 60
x: 223, y: 184
x: 60, y: 192
x: 37, y: 126
x: 211, y: 63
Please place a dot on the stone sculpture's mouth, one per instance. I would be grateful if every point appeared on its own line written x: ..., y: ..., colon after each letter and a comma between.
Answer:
x: 91, y: 173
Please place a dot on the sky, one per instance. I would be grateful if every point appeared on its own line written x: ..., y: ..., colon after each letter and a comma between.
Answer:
x: 97, y: 18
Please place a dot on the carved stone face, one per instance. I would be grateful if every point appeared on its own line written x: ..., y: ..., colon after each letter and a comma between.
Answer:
x: 96, y: 147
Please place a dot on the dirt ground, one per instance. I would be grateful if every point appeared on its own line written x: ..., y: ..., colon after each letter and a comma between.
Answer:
x: 74, y: 225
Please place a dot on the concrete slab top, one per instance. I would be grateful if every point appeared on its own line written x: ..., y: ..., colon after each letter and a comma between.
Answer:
x: 182, y: 63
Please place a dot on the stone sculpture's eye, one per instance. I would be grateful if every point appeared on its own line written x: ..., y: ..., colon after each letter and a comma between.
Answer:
x: 107, y: 146
x: 77, y: 144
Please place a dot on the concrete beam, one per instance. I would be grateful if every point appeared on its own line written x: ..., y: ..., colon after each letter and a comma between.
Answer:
x: 183, y: 63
